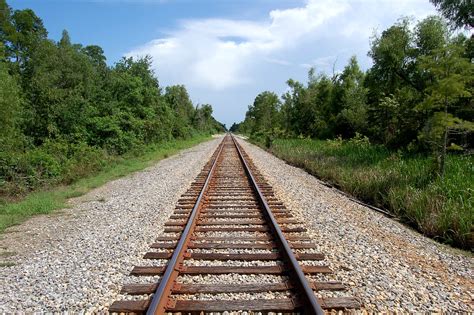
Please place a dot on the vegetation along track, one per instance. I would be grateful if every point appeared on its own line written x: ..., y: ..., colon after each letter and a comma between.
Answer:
x: 231, y: 245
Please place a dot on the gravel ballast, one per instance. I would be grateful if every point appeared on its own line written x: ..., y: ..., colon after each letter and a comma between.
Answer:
x: 386, y: 265
x: 76, y: 259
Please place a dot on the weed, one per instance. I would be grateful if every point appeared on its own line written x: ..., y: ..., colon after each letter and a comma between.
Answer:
x: 406, y: 185
x: 42, y: 202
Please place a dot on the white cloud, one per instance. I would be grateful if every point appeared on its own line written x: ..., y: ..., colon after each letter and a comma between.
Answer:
x: 218, y: 53
x: 226, y: 62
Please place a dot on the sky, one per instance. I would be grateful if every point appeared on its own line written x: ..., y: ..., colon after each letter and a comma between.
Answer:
x: 227, y: 51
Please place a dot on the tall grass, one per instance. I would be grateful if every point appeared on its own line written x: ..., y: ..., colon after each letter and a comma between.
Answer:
x: 46, y: 201
x: 406, y: 185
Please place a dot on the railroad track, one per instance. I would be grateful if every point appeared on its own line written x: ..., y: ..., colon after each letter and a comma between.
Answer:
x: 231, y: 245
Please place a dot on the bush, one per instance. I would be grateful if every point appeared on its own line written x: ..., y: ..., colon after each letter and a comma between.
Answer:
x: 51, y: 163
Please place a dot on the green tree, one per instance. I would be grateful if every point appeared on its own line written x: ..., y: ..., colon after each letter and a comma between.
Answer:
x: 459, y: 12
x: 59, y: 81
x: 264, y: 112
x: 297, y: 113
x: 23, y: 32
x: 351, y: 94
x: 396, y: 82
x: 10, y: 111
x: 451, y: 77
x: 178, y: 99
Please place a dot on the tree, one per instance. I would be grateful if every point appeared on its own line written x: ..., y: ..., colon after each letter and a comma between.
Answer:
x: 297, y: 113
x: 23, y: 33
x: 6, y: 25
x: 178, y: 99
x: 351, y: 93
x: 10, y: 107
x: 65, y: 41
x: 459, y: 12
x: 96, y: 54
x: 396, y: 82
x: 264, y: 112
x: 451, y: 74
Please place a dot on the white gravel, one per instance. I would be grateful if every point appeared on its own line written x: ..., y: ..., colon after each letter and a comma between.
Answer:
x: 77, y: 259
x: 386, y: 265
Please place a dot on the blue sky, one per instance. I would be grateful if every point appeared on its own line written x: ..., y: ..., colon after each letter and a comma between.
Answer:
x: 227, y: 51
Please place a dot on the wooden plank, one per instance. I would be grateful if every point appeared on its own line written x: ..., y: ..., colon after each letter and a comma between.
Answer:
x: 239, y: 216
x: 212, y: 245
x: 157, y: 255
x: 231, y: 229
x: 179, y: 217
x: 339, y: 303
x: 239, y: 270
x: 293, y: 238
x: 328, y: 285
x: 292, y: 230
x: 163, y: 245
x: 233, y: 256
x: 229, y: 211
x: 230, y: 288
x: 233, y: 216
x: 138, y: 307
x: 184, y: 212
x: 309, y: 256
x: 316, y: 269
x: 215, y: 245
x: 181, y: 288
x: 166, y: 238
x: 147, y: 271
x: 248, y: 205
x: 152, y: 271
x: 234, y: 305
x: 232, y: 222
x: 238, y: 229
x: 302, y: 245
x: 225, y: 198
x: 216, y: 256
x: 139, y: 289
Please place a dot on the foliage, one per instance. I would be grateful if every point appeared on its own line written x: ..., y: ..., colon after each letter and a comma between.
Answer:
x: 402, y: 183
x: 45, y: 201
x: 415, y: 99
x: 415, y: 68
x: 65, y: 113
x: 459, y: 12
x: 451, y: 74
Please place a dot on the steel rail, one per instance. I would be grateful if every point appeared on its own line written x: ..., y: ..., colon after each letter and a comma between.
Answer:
x: 312, y: 305
x: 160, y: 297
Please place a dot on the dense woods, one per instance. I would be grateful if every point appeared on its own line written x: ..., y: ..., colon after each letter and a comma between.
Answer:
x: 389, y: 130
x: 64, y: 113
x: 417, y: 90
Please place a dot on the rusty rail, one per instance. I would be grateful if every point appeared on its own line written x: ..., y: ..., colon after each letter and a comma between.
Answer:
x: 312, y: 305
x: 160, y: 298
x: 231, y: 196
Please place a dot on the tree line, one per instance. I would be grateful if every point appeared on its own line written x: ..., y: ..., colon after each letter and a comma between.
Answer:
x: 416, y: 96
x: 64, y: 111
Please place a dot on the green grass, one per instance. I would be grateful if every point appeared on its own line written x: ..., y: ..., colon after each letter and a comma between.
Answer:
x: 406, y: 185
x: 43, y: 202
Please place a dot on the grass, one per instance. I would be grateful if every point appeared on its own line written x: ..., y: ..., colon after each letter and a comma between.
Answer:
x: 406, y: 185
x: 43, y: 202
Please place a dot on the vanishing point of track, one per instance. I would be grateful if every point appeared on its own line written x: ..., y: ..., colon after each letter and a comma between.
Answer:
x: 230, y: 223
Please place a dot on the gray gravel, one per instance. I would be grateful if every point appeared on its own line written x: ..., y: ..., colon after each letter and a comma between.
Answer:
x: 77, y: 259
x: 387, y: 265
